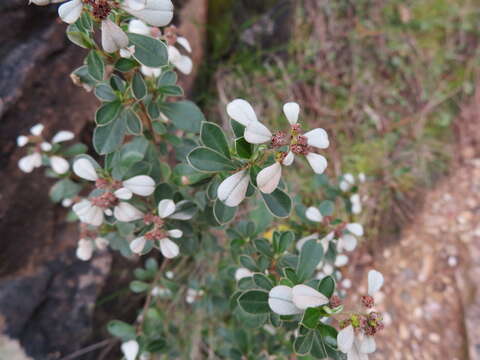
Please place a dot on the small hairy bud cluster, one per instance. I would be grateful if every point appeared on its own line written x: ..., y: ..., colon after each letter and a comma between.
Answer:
x: 372, y: 323
x: 105, y: 200
x: 300, y: 146
x: 152, y: 219
x: 280, y: 139
x: 368, y: 301
x: 100, y: 9
x: 155, y: 234
x: 335, y: 301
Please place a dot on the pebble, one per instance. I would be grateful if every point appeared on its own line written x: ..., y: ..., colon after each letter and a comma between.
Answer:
x: 434, y: 337
x: 452, y: 261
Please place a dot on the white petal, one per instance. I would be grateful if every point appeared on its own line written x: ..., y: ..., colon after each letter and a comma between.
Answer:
x: 355, y: 229
x: 108, y: 212
x: 288, y: 160
x: 156, y: 12
x: 313, y: 214
x: 327, y: 269
x: 367, y: 345
x: 355, y: 353
x: 317, y: 162
x: 375, y: 282
x: 138, y: 27
x: 344, y: 185
x: 303, y: 240
x: 67, y: 202
x: 142, y: 185
x: 84, y: 249
x: 136, y: 4
x: 30, y: 162
x: 39, y: 2
x: 130, y: 349
x: 127, y: 52
x: 241, y: 111
x: 126, y: 212
x: 184, y: 43
x: 37, y: 129
x: 101, y: 243
x: 123, y: 194
x: 348, y: 242
x: 291, y: 111
x: 341, y: 260
x: 233, y: 189
x: 175, y: 233
x: 63, y: 136
x: 349, y: 178
x: 88, y: 213
x: 59, y: 164
x: 345, y: 339
x: 268, y: 178
x: 280, y: 300
x: 45, y: 146
x: 166, y: 207
x: 356, y: 204
x: 305, y: 296
x: 318, y: 138
x: 150, y: 72
x: 168, y: 248
x: 113, y: 37
x: 84, y: 168
x: 22, y: 140
x: 138, y: 244
x: 70, y: 11
x: 362, y: 177
x: 257, y: 133
x: 181, y: 62
x: 241, y: 273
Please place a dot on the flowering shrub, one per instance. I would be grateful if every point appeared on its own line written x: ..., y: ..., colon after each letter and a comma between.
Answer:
x: 164, y: 178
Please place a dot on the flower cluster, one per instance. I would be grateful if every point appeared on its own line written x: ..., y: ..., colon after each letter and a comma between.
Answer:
x: 356, y: 338
x: 40, y: 149
x: 347, y: 182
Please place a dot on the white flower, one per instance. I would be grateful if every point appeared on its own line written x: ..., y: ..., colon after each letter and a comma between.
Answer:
x: 155, y: 12
x: 62, y: 136
x: 138, y: 244
x: 192, y: 295
x: 127, y: 52
x: 168, y: 248
x: 241, y: 273
x: 45, y: 146
x: 180, y: 61
x: 357, y: 347
x: 22, y: 140
x: 341, y: 260
x: 169, y: 274
x: 59, y: 164
x: 280, y: 300
x: 88, y: 213
x: 101, y: 243
x: 305, y: 296
x: 84, y: 249
x: 241, y: 111
x: 67, y: 202
x: 291, y: 111
x: 269, y: 177
x: 126, y: 212
x: 142, y: 185
x: 346, y: 182
x: 84, y: 168
x: 150, y: 72
x: 113, y: 37
x: 348, y: 240
x: 356, y: 204
x: 233, y: 189
x: 130, y: 349
x: 362, y: 177
x: 70, y: 11
x: 30, y: 162
x: 135, y: 4
x: 37, y: 129
x: 313, y: 214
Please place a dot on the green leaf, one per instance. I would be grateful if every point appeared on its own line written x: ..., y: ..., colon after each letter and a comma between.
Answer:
x: 321, y: 347
x: 105, y: 93
x: 262, y: 281
x: 79, y: 37
x: 149, y: 51
x: 64, y: 189
x: 184, y: 210
x: 244, y: 149
x: 310, y: 256
x: 208, y: 160
x: 223, y: 214
x: 311, y: 317
x: 254, y: 302
x: 238, y: 129
x: 286, y: 239
x: 303, y: 344
x: 117, y: 83
x: 95, y: 65
x: 212, y: 136
x: 121, y: 330
x: 139, y: 88
x: 264, y: 247
x: 134, y: 124
x: 278, y: 202
x: 107, y: 113
x: 159, y: 128
x: 153, y: 110
x: 107, y: 139
x: 138, y: 286
x: 125, y: 65
x: 291, y: 275
x: 327, y: 286
x: 248, y: 262
x: 326, y: 208
x: 167, y: 78
x: 171, y: 90
x: 185, y: 115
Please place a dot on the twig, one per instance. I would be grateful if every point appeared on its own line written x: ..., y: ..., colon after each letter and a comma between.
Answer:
x: 88, y: 349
